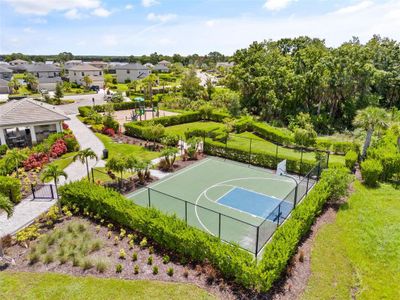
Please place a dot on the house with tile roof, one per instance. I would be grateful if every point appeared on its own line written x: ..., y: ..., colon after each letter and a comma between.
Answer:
x: 77, y: 73
x: 27, y: 122
x: 5, y: 73
x: 48, y: 75
x: 131, y: 72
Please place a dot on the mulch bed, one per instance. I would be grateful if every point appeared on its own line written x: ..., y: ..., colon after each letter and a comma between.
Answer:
x: 124, y: 139
x: 204, y: 276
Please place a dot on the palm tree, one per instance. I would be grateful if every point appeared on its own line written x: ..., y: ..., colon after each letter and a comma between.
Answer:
x: 14, y: 85
x: 83, y: 156
x: 7, y: 206
x: 31, y: 81
x: 369, y: 119
x: 54, y: 172
x: 88, y: 81
x: 14, y: 157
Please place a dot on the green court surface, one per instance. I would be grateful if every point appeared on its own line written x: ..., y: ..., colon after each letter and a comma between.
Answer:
x: 206, y: 182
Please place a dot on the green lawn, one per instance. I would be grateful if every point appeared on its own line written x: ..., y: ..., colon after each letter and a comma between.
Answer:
x: 63, y: 161
x: 358, y: 256
x: 264, y: 145
x: 20, y: 285
x: 125, y: 149
x: 180, y: 129
x: 105, y: 178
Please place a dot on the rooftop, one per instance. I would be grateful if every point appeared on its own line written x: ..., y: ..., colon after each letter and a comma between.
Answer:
x: 28, y: 111
x: 83, y: 67
x: 135, y: 66
x: 5, y: 70
x: 42, y: 68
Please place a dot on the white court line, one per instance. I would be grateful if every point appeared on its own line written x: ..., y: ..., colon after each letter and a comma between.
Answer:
x: 167, y: 178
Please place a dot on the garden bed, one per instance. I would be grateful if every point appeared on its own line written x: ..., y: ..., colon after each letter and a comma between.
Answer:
x: 79, y: 246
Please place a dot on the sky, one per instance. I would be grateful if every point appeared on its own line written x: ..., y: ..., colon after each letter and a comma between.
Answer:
x: 136, y: 27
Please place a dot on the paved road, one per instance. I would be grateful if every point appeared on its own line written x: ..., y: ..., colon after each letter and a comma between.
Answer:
x: 82, y: 100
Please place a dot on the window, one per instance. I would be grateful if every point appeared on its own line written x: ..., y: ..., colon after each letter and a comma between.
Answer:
x: 100, y: 73
x: 128, y: 71
x: 83, y: 73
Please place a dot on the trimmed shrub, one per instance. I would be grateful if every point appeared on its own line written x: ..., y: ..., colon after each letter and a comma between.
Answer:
x: 351, y: 158
x: 3, y: 149
x: 11, y: 187
x: 371, y: 171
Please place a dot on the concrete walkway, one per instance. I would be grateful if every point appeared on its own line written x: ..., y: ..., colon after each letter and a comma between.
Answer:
x: 28, y: 210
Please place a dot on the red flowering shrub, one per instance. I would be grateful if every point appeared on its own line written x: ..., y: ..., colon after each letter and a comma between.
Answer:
x: 35, y: 160
x: 109, y: 131
x: 58, y: 148
x: 65, y: 126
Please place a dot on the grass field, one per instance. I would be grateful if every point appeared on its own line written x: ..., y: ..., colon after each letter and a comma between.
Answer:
x: 126, y: 149
x: 180, y: 129
x: 105, y: 178
x: 264, y: 145
x: 15, y: 285
x: 63, y: 161
x: 357, y: 256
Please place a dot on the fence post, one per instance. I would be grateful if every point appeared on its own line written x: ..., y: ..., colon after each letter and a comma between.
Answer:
x: 219, y: 225
x: 250, y: 152
x: 301, y: 161
x: 33, y: 191
x: 327, y: 159
x: 308, y: 178
x: 295, y: 196
x: 257, y: 239
x: 186, y: 212
x: 279, y: 213
x: 51, y: 190
x: 148, y: 196
x: 319, y: 170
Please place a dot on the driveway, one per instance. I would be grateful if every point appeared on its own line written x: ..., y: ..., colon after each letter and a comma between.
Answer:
x: 81, y: 100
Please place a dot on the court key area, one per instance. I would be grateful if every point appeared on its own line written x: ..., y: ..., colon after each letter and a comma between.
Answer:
x: 233, y: 201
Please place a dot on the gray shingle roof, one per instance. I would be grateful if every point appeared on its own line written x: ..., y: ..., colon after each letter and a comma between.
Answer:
x: 5, y: 70
x: 49, y: 80
x: 83, y: 67
x: 3, y: 82
x: 28, y: 111
x: 135, y: 66
x: 42, y: 68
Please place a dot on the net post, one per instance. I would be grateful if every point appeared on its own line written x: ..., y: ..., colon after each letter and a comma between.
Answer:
x: 257, y: 238
x: 219, y: 225
x: 148, y: 196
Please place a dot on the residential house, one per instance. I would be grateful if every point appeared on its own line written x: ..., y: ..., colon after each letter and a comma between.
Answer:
x: 165, y: 63
x: 5, y: 73
x: 131, y: 72
x: 17, y: 62
x: 27, y: 122
x: 99, y: 64
x: 77, y: 73
x: 4, y: 89
x: 48, y: 75
x: 225, y: 64
x: 161, y: 68
x: 72, y: 63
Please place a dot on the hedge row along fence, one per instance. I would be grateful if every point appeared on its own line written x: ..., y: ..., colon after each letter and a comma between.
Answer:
x: 85, y: 110
x: 174, y: 235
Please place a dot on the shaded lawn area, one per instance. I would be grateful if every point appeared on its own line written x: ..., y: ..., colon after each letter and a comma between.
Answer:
x: 180, y: 129
x: 357, y: 256
x: 20, y: 285
x: 126, y: 149
x: 266, y: 146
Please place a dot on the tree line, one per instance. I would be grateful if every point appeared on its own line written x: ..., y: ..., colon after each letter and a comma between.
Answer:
x: 278, y: 80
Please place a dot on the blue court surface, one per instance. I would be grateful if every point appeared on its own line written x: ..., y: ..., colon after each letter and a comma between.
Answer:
x: 256, y: 204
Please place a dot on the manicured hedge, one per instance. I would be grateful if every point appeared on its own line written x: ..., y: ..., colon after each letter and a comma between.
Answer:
x: 283, y: 245
x: 259, y: 158
x: 11, y: 187
x: 277, y: 135
x: 167, y: 231
x: 83, y: 110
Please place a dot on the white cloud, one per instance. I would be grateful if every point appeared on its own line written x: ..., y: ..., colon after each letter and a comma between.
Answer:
x: 73, y: 14
x: 101, y: 12
x: 354, y: 8
x: 109, y: 40
x: 128, y: 6
x: 38, y: 20
x: 148, y: 3
x: 28, y: 30
x: 276, y: 5
x: 211, y: 23
x: 160, y: 18
x: 43, y: 7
